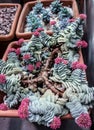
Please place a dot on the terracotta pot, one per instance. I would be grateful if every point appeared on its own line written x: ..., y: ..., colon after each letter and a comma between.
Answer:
x: 14, y: 113
x: 11, y: 34
x: 28, y: 7
x: 24, y: 1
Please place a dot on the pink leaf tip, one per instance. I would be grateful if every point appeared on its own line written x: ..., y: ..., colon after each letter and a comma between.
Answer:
x: 38, y: 64
x: 30, y: 67
x: 81, y: 44
x: 59, y: 60
x: 36, y: 33
x: 78, y: 65
x: 81, y: 66
x: 40, y: 29
x: 18, y: 51
x: 74, y: 65
x: 71, y: 20
x: 52, y: 22
x: 2, y: 78
x: 83, y: 16
x: 26, y: 56
x: 65, y: 62
x: 56, y: 123
x: 84, y: 44
x: 12, y: 50
x: 3, y: 107
x: 23, y: 108
x: 84, y: 120
x: 20, y: 41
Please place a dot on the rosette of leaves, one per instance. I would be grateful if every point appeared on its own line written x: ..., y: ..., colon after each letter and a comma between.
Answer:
x: 78, y: 33
x: 31, y: 63
x: 13, y: 58
x: 56, y: 6
x: 71, y: 32
x: 72, y: 27
x: 64, y: 13
x: 73, y: 56
x: 87, y: 96
x: 38, y: 8
x: 63, y: 23
x: 45, y: 54
x: 31, y: 59
x: 11, y: 85
x: 36, y: 43
x: 13, y: 65
x: 79, y: 112
x: 44, y: 38
x: 47, y: 40
x: 44, y: 114
x: 46, y: 17
x: 2, y: 64
x: 61, y: 71
x: 55, y: 30
x: 77, y: 109
x: 32, y: 22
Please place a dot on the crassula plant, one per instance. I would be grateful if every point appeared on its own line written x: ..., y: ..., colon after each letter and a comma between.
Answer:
x: 41, y: 15
x: 46, y: 17
x: 38, y: 8
x: 64, y: 16
x: 45, y: 76
x: 56, y: 6
x: 33, y: 22
x: 64, y: 13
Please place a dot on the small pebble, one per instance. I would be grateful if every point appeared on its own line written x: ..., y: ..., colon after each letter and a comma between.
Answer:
x: 7, y: 15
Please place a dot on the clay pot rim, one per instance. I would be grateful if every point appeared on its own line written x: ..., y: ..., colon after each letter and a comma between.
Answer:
x: 14, y: 113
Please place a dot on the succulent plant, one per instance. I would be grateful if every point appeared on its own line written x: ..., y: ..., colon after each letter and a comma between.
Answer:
x: 64, y: 13
x: 45, y: 77
x: 60, y: 70
x: 45, y: 17
x: 79, y: 112
x: 38, y: 8
x: 55, y: 28
x: 41, y: 16
x: 63, y: 23
x: 50, y: 109
x: 74, y: 36
x: 56, y: 6
x: 45, y: 39
x: 32, y: 22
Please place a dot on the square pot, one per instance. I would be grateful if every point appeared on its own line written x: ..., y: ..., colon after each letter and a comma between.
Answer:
x: 12, y: 112
x: 28, y: 7
x: 11, y: 34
